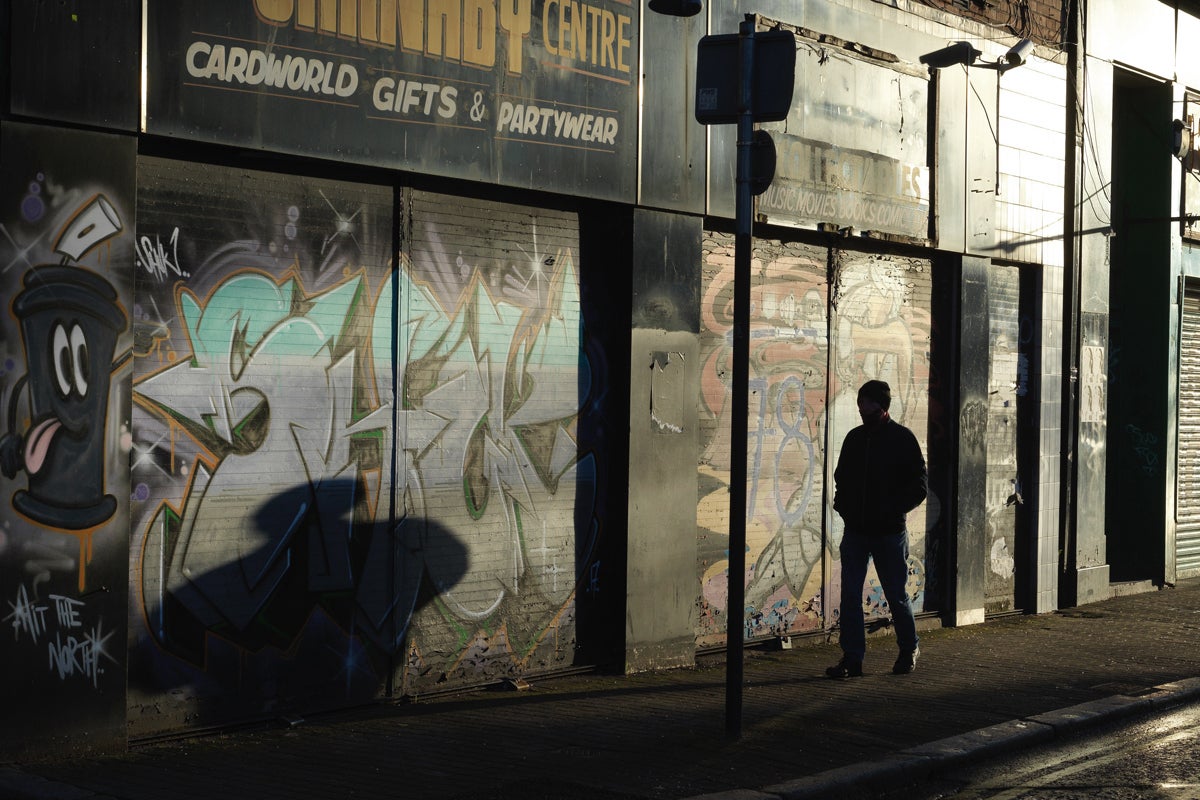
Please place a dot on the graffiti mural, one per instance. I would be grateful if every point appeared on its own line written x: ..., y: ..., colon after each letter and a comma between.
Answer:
x: 491, y: 349
x: 349, y: 479
x: 789, y: 345
x: 65, y: 355
x: 69, y: 320
x: 880, y: 329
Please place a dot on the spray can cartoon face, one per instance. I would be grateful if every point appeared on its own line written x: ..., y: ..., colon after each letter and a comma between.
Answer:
x: 69, y: 320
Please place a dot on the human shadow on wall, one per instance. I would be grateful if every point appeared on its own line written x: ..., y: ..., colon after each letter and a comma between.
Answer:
x: 319, y: 583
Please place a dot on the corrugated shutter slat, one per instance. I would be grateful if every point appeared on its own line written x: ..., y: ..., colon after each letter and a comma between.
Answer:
x: 1187, y: 532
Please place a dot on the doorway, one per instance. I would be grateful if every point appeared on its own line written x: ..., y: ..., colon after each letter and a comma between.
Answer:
x: 1139, y: 330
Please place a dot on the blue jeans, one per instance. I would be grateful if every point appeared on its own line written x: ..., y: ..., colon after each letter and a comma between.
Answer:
x: 891, y: 565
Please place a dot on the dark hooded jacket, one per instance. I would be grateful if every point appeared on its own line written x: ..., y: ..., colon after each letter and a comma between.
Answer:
x: 880, y: 477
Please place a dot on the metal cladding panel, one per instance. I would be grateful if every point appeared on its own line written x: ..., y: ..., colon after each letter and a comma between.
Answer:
x: 853, y: 152
x: 65, y: 342
x: 667, y: 272
x: 1005, y: 384
x: 1187, y: 485
x: 980, y: 166
x: 533, y: 93
x: 663, y: 434
x: 950, y: 174
x: 673, y: 149
x: 77, y: 61
x: 971, y: 545
x: 1094, y: 433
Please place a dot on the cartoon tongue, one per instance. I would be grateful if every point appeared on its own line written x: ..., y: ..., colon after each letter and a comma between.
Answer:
x: 38, y: 444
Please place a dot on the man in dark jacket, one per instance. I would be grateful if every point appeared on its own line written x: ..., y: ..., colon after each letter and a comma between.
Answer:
x: 880, y: 477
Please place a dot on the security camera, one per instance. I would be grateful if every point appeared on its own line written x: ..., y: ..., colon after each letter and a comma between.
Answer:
x: 1019, y: 52
x: 957, y: 53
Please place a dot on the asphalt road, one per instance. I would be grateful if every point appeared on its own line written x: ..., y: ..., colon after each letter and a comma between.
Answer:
x: 1156, y: 758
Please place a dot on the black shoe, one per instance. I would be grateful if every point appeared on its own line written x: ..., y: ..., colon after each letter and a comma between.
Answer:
x: 845, y: 669
x: 907, y: 662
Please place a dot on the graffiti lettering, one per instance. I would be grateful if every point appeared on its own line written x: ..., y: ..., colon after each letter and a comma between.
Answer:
x: 154, y: 258
x: 484, y: 444
x: 27, y: 617
x: 789, y: 344
x: 792, y: 502
x: 334, y: 441
x: 879, y: 331
x: 80, y: 657
x: 262, y: 352
x: 1145, y: 445
x: 73, y: 655
x: 67, y: 610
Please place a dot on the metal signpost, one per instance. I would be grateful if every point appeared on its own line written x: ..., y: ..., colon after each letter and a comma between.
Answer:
x: 728, y: 91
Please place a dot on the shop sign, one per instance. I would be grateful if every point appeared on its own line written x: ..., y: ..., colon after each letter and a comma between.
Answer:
x: 531, y: 93
x: 853, y: 152
x: 856, y: 189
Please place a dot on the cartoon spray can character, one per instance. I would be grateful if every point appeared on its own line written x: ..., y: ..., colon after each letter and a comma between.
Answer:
x: 70, y: 320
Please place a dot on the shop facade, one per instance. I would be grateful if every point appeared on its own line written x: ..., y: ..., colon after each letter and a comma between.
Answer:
x: 358, y: 351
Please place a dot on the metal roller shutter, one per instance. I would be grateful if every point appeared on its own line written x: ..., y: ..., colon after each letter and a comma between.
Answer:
x: 1187, y: 541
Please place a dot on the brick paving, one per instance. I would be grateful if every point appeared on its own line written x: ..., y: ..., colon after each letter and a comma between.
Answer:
x: 662, y: 736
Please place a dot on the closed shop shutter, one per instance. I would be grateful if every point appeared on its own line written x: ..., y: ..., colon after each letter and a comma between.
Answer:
x: 261, y: 454
x: 1187, y: 541
x: 881, y: 327
x: 788, y: 372
x: 493, y: 378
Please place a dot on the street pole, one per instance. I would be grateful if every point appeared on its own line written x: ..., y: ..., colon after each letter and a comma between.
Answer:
x: 743, y: 250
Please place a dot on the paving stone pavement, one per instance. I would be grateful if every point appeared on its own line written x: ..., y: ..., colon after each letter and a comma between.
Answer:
x: 1011, y: 682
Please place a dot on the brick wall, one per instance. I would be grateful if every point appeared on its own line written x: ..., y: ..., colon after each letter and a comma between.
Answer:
x: 1041, y: 20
